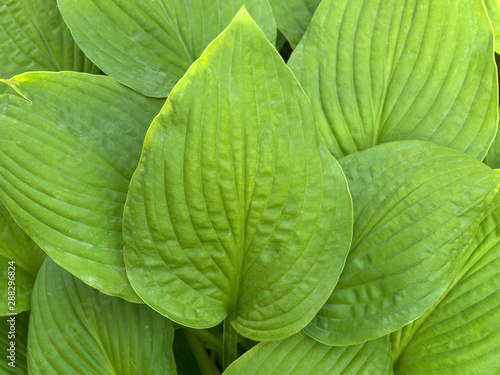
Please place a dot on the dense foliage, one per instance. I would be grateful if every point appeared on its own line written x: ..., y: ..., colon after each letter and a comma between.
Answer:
x: 249, y: 187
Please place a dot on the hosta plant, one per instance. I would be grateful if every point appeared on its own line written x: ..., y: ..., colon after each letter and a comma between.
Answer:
x: 249, y: 187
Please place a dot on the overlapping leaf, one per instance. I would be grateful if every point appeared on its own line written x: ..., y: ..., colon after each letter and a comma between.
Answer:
x: 416, y: 207
x: 33, y: 36
x: 385, y: 70
x: 149, y: 44
x: 461, y: 335
x: 301, y: 355
x: 16, y: 246
x: 75, y: 329
x: 66, y: 158
x: 293, y: 17
x: 234, y: 210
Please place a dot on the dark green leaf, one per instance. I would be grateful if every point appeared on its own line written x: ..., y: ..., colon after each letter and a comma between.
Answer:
x: 33, y: 36
x: 16, y: 246
x: 293, y: 17
x: 17, y: 325
x: 75, y: 329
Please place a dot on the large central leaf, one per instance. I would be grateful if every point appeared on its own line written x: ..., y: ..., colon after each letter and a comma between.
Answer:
x: 386, y: 70
x: 233, y: 209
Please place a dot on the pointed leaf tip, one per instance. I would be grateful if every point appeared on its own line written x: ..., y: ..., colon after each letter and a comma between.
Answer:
x: 232, y: 203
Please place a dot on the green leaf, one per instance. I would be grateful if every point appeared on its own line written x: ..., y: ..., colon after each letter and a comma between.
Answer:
x: 148, y: 44
x: 416, y: 207
x: 493, y: 10
x: 493, y: 156
x: 16, y: 325
x: 16, y: 246
x: 293, y: 17
x: 67, y: 154
x: 388, y: 70
x: 234, y: 210
x: 33, y: 36
x: 301, y: 355
x: 461, y: 334
x: 74, y: 329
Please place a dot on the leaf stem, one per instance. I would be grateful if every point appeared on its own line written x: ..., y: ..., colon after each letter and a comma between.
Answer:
x: 203, y: 360
x: 212, y: 340
x: 230, y: 344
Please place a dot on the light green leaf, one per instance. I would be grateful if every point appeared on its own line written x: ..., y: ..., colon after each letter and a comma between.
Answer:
x: 14, y: 329
x: 67, y: 154
x: 293, y: 17
x: 493, y: 10
x: 33, y: 36
x: 16, y: 246
x: 234, y: 210
x: 385, y: 70
x: 149, y: 44
x: 416, y: 208
x: 301, y: 355
x: 74, y: 329
x: 461, y: 334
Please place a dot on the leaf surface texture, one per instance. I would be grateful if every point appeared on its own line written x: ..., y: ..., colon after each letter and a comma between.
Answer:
x: 234, y: 208
x: 149, y: 44
x: 301, y: 355
x: 67, y: 153
x: 416, y: 207
x: 74, y: 329
x: 386, y: 70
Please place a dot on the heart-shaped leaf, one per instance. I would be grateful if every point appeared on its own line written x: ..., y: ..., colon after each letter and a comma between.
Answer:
x: 234, y: 210
x: 461, y: 334
x: 385, y: 70
x: 20, y: 259
x: 149, y: 44
x: 301, y: 355
x: 293, y: 17
x: 67, y: 154
x: 33, y: 36
x: 416, y: 207
x: 74, y: 329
